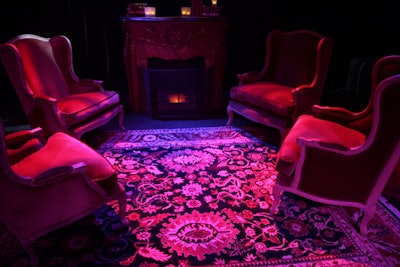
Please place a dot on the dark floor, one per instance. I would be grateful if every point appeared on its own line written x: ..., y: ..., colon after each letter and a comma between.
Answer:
x: 138, y: 121
x: 15, y: 120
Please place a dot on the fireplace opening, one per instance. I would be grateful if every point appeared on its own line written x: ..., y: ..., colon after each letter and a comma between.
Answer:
x: 177, y: 88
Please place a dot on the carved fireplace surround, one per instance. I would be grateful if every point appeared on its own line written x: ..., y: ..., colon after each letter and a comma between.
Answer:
x: 173, y: 38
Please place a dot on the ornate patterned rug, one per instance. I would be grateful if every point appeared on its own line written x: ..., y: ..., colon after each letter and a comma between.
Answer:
x: 201, y: 197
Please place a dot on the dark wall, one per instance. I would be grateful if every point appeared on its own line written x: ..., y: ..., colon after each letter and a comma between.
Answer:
x: 359, y: 30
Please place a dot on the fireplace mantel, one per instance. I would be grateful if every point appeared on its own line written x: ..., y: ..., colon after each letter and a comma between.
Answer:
x: 173, y: 38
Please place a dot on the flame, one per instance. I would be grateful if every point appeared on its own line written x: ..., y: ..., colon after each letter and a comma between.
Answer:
x: 177, y: 98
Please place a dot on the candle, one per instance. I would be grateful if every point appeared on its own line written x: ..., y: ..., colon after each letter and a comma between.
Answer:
x: 150, y: 11
x: 185, y: 11
x: 214, y: 2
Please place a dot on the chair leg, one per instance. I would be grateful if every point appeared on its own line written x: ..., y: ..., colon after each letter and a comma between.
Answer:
x: 121, y: 120
x: 367, y: 216
x: 277, y: 193
x: 230, y: 115
x: 122, y: 205
x: 34, y: 260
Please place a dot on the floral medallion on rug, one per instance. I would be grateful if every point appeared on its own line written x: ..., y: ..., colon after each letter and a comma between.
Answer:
x: 201, y: 197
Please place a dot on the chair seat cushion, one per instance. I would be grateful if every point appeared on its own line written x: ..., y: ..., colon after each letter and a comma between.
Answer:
x: 268, y: 96
x: 309, y: 127
x: 64, y: 150
x: 77, y: 108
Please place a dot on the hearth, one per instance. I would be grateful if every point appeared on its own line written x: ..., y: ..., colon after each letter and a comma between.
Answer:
x: 173, y: 38
x: 177, y: 88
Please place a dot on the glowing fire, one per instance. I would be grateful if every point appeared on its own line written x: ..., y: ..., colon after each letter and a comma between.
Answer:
x: 177, y: 98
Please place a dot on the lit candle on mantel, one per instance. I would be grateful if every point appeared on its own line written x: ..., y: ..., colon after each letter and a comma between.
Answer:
x: 185, y: 11
x: 150, y: 11
x: 214, y: 2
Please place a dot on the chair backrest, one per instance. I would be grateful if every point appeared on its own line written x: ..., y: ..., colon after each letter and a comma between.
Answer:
x: 361, y: 173
x: 42, y: 73
x: 381, y: 151
x: 383, y: 68
x: 297, y: 57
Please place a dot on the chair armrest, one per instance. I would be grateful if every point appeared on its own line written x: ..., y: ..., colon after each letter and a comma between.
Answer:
x: 48, y: 115
x: 327, y: 146
x: 44, y: 98
x: 16, y: 139
x: 86, y: 85
x: 317, y: 172
x: 302, y: 89
x: 321, y: 144
x: 54, y: 174
x: 304, y: 97
x: 339, y: 115
x: 249, y: 77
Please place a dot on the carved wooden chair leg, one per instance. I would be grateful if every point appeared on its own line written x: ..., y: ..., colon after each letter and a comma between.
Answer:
x: 34, y: 260
x: 122, y: 205
x: 367, y: 216
x: 277, y: 193
x: 230, y: 116
x: 121, y: 121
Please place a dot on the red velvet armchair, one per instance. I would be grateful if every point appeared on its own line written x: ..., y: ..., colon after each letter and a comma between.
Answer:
x: 291, y: 82
x: 47, y: 184
x: 51, y: 94
x: 344, y: 158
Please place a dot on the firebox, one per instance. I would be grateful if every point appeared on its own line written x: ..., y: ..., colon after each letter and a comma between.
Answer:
x: 177, y: 88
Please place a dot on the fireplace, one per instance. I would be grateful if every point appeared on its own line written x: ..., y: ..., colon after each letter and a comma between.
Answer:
x: 174, y: 39
x: 177, y: 88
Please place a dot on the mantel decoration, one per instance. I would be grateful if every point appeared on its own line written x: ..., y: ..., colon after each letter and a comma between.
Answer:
x: 197, y: 9
x: 136, y: 9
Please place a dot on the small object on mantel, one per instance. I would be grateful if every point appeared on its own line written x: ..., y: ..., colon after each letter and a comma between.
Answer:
x: 211, y: 11
x: 150, y: 11
x: 186, y: 11
x: 136, y: 9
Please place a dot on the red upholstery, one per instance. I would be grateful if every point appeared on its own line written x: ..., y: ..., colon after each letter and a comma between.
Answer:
x: 45, y: 185
x: 52, y: 95
x: 62, y: 150
x: 335, y: 164
x: 23, y: 143
x: 361, y: 121
x: 311, y: 128
x: 290, y: 83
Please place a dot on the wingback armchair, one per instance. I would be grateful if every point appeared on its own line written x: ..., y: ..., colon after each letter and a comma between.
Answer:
x: 345, y: 158
x: 290, y: 83
x: 47, y: 184
x: 53, y: 97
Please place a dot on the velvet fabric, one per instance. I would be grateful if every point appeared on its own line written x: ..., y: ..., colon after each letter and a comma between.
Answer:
x: 53, y: 97
x: 361, y: 121
x: 290, y: 83
x: 311, y: 128
x: 47, y: 184
x: 278, y: 99
x: 62, y: 150
x: 23, y: 143
x: 332, y: 163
